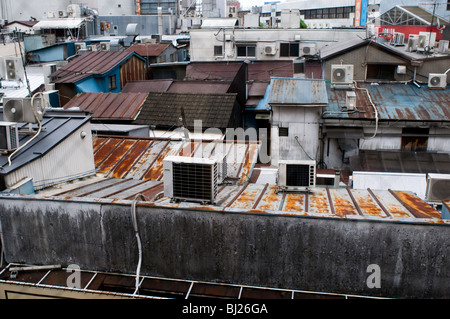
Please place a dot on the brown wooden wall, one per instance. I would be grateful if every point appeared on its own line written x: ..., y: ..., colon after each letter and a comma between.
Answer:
x: 132, y: 70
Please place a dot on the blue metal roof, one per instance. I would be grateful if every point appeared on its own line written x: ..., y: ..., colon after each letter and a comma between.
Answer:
x: 393, y: 102
x: 293, y: 91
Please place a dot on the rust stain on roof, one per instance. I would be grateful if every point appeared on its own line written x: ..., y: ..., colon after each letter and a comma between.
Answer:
x: 343, y: 206
x: 416, y: 206
x: 294, y: 203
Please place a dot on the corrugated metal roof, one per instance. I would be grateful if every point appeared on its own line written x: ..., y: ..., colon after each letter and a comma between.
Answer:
x: 90, y: 63
x: 393, y: 102
x: 297, y: 92
x: 200, y: 87
x: 142, y: 158
x: 147, y: 86
x: 148, y: 49
x: 264, y: 70
x: 109, y: 105
x: 406, y: 162
x: 329, y: 51
x: 225, y: 71
x: 64, y: 23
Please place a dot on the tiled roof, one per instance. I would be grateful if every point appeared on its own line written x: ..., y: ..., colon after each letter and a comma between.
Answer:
x: 88, y: 64
x: 109, y: 105
x: 164, y: 109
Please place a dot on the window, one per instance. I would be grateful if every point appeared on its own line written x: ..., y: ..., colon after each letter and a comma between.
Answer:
x: 448, y: 5
x: 414, y: 139
x: 218, y: 50
x: 283, y: 131
x: 112, y: 82
x: 246, y: 51
x: 289, y: 49
x: 381, y: 72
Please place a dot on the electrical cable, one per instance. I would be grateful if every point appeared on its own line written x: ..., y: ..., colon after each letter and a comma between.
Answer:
x: 374, y: 107
x: 138, y: 238
x: 296, y: 138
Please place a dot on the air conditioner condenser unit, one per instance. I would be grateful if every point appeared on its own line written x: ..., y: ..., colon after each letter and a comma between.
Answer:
x: 296, y: 175
x: 9, y: 136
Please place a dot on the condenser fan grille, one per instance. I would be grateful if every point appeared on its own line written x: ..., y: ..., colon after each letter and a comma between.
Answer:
x: 435, y: 80
x: 13, y: 111
x: 306, y: 50
x: 339, y: 74
x: 440, y: 190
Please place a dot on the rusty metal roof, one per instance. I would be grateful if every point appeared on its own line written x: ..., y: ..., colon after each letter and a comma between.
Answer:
x: 393, y: 102
x: 89, y: 64
x: 142, y: 158
x: 297, y: 91
x: 109, y: 105
x: 147, y: 86
x: 225, y: 71
x: 264, y: 70
x: 200, y: 87
x: 129, y: 166
x: 148, y: 49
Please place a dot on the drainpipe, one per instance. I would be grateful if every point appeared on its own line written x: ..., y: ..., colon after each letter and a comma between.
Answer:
x: 160, y: 21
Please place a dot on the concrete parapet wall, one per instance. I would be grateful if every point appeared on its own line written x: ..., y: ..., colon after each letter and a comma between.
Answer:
x: 305, y: 253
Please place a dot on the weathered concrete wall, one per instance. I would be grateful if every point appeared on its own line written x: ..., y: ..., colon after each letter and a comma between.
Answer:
x: 319, y: 254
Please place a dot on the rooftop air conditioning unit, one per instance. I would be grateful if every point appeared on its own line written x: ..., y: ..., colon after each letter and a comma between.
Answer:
x: 342, y: 74
x: 422, y: 43
x: 91, y: 47
x: 48, y: 69
x: 105, y: 46
x: 20, y: 109
x: 296, y: 175
x: 14, y: 69
x: 191, y: 178
x: 307, y: 49
x: 74, y: 11
x: 62, y: 14
x: 412, y: 44
x: 437, y: 81
x: 270, y: 49
x: 350, y: 101
x: 398, y: 39
x: 438, y: 187
x: 228, y: 37
x: 443, y: 46
x: 297, y: 37
x: 80, y: 46
x: 9, y: 136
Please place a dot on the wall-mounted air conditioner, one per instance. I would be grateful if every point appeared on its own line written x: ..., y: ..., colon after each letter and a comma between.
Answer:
x: 91, y: 47
x: 296, y: 175
x: 191, y: 178
x: 270, y: 49
x: 443, y: 46
x: 80, y: 46
x: 20, y: 109
x: 438, y: 187
x: 105, y: 46
x: 9, y: 136
x: 13, y: 69
x: 342, y: 74
x: 307, y: 49
x: 437, y: 81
